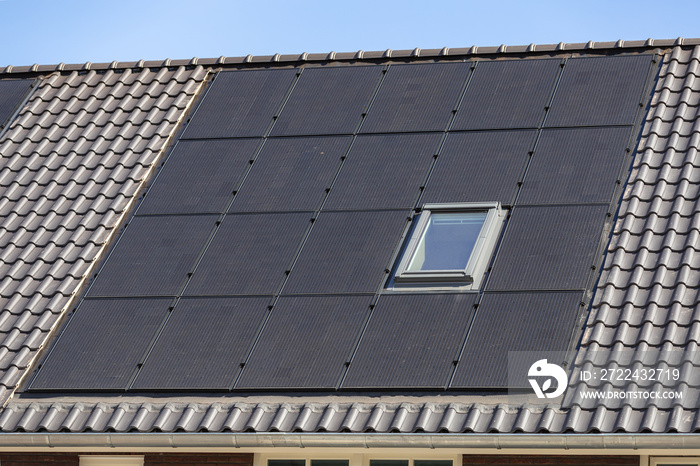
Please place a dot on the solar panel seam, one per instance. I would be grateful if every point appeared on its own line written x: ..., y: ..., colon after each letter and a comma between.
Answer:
x: 416, y: 205
x: 323, y: 328
x: 431, y: 330
x: 504, y: 230
x: 504, y: 94
x: 313, y: 156
x: 285, y: 99
x: 276, y: 228
x: 235, y: 183
x: 334, y: 122
x: 226, y: 327
x: 5, y: 125
x: 151, y: 345
x: 599, y: 88
x: 615, y: 204
x: 328, y: 190
x: 358, y: 339
x: 441, y: 144
x: 249, y: 353
x: 140, y: 311
x: 197, y: 258
x: 306, y: 235
x: 223, y: 75
x: 540, y: 127
x: 405, y: 107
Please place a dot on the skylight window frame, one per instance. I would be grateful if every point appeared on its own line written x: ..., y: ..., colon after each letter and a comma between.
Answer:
x: 468, y: 278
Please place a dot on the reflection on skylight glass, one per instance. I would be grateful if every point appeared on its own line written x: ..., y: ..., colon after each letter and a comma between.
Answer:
x: 447, y: 242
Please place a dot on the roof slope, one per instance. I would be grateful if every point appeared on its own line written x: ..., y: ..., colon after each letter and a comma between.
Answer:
x: 72, y: 162
x: 646, y: 297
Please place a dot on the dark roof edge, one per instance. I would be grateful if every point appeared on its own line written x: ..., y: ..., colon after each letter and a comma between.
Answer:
x: 361, y: 55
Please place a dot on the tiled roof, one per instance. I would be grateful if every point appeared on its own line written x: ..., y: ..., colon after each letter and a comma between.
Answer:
x: 341, y: 416
x: 646, y: 297
x: 445, y: 52
x: 72, y: 163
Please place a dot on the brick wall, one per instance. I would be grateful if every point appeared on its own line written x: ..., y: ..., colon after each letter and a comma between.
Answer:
x: 527, y: 460
x: 39, y: 459
x: 153, y: 459
x: 204, y: 459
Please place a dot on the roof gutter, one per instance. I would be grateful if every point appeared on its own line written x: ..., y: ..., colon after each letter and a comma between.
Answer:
x: 135, y: 441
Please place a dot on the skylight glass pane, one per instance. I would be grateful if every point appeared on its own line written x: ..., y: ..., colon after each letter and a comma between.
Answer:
x: 447, y: 242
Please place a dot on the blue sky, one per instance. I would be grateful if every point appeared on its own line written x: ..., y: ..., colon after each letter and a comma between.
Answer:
x: 76, y: 31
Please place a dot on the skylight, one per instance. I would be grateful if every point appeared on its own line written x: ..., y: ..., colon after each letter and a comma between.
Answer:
x: 450, y: 245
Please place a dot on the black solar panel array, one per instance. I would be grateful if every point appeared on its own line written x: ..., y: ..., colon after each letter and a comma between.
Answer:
x: 241, y: 104
x: 411, y: 341
x: 416, y: 98
x: 291, y: 174
x: 12, y: 92
x: 514, y: 322
x: 213, y: 169
x: 154, y: 256
x: 328, y: 100
x: 600, y: 91
x: 306, y: 342
x: 383, y: 172
x: 103, y: 344
x: 507, y: 94
x: 273, y: 224
x: 203, y: 344
x: 480, y: 166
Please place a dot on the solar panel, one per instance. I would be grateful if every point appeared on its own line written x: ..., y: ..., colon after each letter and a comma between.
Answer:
x: 319, y: 334
x: 507, y: 94
x: 347, y: 252
x: 599, y: 91
x: 418, y: 97
x: 240, y: 103
x: 383, y: 172
x: 548, y: 248
x: 154, y: 256
x: 328, y: 100
x: 575, y: 166
x: 479, y: 167
x: 291, y: 174
x: 508, y: 322
x: 12, y: 91
x: 213, y: 169
x: 102, y: 345
x: 203, y: 344
x: 249, y: 254
x: 411, y: 341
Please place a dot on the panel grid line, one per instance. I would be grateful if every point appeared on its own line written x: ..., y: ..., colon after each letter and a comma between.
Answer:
x: 210, y: 239
x: 305, y: 238
x: 504, y: 229
x: 407, y: 227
